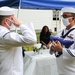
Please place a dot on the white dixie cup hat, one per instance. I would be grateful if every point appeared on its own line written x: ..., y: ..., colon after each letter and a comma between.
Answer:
x: 6, y: 11
x: 68, y: 9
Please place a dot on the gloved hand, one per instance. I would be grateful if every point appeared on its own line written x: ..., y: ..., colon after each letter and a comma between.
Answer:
x: 65, y: 42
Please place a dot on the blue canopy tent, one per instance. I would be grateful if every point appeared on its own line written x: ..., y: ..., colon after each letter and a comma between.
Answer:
x: 41, y: 4
x: 10, y: 3
x: 38, y: 4
x: 46, y: 4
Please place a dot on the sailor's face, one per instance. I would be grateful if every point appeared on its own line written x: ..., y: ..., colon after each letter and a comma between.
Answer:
x: 10, y: 20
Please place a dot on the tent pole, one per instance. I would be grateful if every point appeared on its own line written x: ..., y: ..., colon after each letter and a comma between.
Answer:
x: 18, y: 13
x: 19, y: 9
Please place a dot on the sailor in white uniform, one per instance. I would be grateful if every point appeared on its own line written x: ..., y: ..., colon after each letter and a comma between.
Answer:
x: 11, y: 59
x: 66, y: 56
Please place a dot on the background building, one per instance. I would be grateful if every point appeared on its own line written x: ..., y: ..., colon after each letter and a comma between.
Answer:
x: 39, y: 18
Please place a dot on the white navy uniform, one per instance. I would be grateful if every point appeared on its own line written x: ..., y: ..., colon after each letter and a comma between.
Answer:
x: 11, y: 60
x: 66, y: 61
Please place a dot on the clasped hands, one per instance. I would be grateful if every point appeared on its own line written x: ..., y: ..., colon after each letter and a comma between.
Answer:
x: 56, y: 46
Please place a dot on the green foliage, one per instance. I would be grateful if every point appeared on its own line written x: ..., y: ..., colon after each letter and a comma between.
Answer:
x: 37, y: 49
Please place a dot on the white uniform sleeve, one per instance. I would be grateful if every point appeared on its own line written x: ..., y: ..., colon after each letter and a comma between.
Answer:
x: 68, y: 54
x: 28, y: 36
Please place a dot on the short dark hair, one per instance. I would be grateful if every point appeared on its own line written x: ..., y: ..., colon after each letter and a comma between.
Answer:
x: 1, y: 18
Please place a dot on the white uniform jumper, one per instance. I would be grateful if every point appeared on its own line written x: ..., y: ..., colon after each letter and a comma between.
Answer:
x: 11, y: 59
x: 66, y: 61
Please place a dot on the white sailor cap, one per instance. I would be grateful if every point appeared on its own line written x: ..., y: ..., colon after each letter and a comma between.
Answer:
x: 6, y: 11
x: 68, y: 9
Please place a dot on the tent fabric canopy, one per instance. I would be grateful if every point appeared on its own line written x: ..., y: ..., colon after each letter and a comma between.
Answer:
x: 10, y: 3
x: 47, y: 4
x: 40, y: 4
